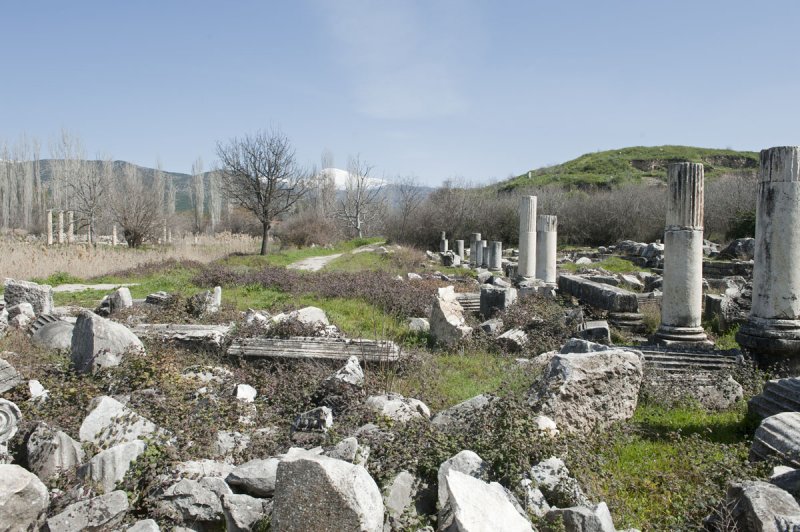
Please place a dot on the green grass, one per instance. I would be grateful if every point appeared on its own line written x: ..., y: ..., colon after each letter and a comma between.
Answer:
x: 675, y: 461
x: 610, y: 264
x: 615, y: 167
x: 448, y: 379
x: 285, y: 257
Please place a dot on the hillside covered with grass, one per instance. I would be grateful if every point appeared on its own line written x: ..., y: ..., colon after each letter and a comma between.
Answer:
x: 616, y: 167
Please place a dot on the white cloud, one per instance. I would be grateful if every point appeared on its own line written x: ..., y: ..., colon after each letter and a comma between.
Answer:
x: 406, y: 59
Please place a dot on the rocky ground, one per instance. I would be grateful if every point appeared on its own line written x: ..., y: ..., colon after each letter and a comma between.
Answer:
x: 133, y: 413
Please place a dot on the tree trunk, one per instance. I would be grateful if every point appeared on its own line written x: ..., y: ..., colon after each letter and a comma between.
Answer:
x: 265, y: 238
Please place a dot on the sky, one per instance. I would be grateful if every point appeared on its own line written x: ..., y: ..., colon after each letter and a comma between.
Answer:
x: 472, y: 90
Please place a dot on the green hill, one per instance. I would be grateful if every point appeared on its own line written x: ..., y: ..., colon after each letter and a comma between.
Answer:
x: 615, y: 167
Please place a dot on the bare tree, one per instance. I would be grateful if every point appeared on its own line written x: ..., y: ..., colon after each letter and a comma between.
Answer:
x: 410, y: 198
x: 259, y: 173
x: 88, y: 190
x: 136, y: 206
x: 214, y: 200
x: 198, y: 195
x: 363, y: 200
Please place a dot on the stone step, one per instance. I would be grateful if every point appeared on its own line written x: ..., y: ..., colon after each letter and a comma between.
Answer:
x: 687, y: 363
x: 316, y: 348
x: 470, y: 301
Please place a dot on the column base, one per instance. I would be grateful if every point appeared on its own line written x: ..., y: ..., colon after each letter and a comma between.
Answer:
x: 772, y: 341
x: 682, y: 336
x: 629, y: 321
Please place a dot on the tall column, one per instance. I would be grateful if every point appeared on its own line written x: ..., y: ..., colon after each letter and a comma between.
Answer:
x: 49, y: 227
x: 443, y: 243
x: 546, y: 239
x: 169, y: 236
x: 480, y: 249
x: 527, y: 237
x: 460, y: 248
x: 70, y: 227
x: 495, y: 255
x: 484, y: 254
x: 164, y: 234
x: 114, y: 235
x: 772, y: 332
x: 60, y: 227
x: 682, y: 299
x: 473, y: 249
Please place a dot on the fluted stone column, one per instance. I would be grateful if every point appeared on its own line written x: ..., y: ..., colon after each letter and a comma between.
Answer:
x: 473, y: 249
x: 682, y: 299
x: 50, y: 227
x: 772, y: 332
x: 495, y: 255
x: 169, y: 236
x: 460, y: 248
x: 60, y: 227
x: 546, y: 239
x: 527, y: 237
x: 70, y: 227
x: 480, y: 250
x: 114, y: 235
x: 443, y: 243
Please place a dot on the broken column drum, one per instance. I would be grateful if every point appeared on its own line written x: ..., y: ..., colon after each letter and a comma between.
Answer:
x: 473, y: 248
x: 682, y: 300
x: 495, y: 255
x: 546, y: 239
x: 772, y: 332
x: 527, y: 237
x: 460, y: 248
x: 443, y: 243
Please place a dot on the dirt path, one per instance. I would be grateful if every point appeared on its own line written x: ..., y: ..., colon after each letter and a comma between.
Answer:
x: 82, y: 287
x: 313, y: 264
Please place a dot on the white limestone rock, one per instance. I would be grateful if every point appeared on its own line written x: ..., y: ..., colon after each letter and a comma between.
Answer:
x: 23, y: 498
x: 37, y: 391
x: 351, y: 451
x: 9, y: 376
x: 458, y: 416
x: 323, y: 494
x: 398, y: 408
x: 318, y: 419
x: 552, y: 477
x: 39, y: 296
x: 447, y: 322
x: 246, y: 393
x: 145, y: 525
x: 256, y: 477
x: 762, y: 507
x: 105, y: 512
x: 195, y: 501
x: 20, y: 316
x: 110, y: 423
x: 51, y: 451
x: 98, y: 343
x: 108, y: 467
x: 472, y: 505
x: 419, y: 325
x: 228, y: 442
x: 197, y: 469
x: 242, y: 512
x: 467, y: 462
x: 582, y: 392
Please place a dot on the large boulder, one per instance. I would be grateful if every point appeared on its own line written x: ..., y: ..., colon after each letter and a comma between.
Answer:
x: 40, y: 296
x: 582, y: 392
x: 467, y: 462
x: 319, y: 493
x: 23, y: 498
x: 398, y: 408
x: 406, y: 498
x: 120, y: 299
x: 448, y: 326
x: 9, y: 376
x: 243, y: 512
x: 759, y: 507
x: 98, y: 343
x: 195, y: 501
x: 108, y: 467
x: 458, y: 416
x: 473, y: 505
x: 100, y: 513
x: 256, y: 477
x: 583, y: 518
x: 739, y: 249
x: 110, y: 423
x: 51, y: 451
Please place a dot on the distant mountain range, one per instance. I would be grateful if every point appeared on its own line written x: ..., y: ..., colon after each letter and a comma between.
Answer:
x: 182, y: 181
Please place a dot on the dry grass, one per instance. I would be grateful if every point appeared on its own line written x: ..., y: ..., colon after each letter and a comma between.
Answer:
x: 24, y: 260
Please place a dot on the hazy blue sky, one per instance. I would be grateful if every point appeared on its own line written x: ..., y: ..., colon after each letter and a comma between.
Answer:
x: 437, y: 89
